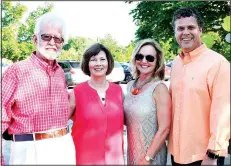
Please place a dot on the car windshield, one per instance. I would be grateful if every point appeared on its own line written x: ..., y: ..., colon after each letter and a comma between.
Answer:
x: 125, y: 67
x: 75, y: 64
x: 117, y: 64
x: 169, y: 64
x: 4, y: 64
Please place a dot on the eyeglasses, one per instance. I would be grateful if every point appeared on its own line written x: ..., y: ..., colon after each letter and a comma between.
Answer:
x: 140, y: 57
x: 46, y: 37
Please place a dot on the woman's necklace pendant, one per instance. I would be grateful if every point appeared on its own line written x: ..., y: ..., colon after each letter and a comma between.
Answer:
x: 135, y: 91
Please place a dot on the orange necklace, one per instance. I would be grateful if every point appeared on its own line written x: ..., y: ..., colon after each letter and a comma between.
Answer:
x: 136, y: 90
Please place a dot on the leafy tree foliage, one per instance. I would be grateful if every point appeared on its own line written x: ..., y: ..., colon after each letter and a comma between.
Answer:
x: 154, y: 21
x: 117, y: 51
x: 226, y: 23
x: 130, y: 50
x: 16, y: 37
x: 10, y: 20
x: 11, y: 14
x: 75, y: 48
x: 26, y: 30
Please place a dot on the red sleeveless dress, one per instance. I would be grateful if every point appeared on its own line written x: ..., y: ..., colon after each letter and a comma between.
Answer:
x: 97, y: 128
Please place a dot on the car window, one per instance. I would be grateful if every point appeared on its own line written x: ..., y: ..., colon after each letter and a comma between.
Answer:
x: 60, y: 64
x: 125, y: 67
x: 169, y: 64
x: 4, y: 64
x: 75, y: 64
x: 63, y: 65
x: 117, y: 64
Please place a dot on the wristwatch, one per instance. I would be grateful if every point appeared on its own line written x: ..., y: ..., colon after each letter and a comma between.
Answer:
x: 212, y: 155
x: 148, y: 158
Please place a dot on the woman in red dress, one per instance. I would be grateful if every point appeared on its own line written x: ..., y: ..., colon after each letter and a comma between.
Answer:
x: 97, y: 111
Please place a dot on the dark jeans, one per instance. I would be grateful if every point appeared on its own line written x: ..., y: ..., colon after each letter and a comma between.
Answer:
x: 220, y: 162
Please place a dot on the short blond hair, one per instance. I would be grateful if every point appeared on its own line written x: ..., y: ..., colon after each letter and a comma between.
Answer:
x: 160, y: 66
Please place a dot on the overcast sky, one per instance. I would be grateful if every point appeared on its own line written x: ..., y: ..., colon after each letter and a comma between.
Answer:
x: 94, y: 19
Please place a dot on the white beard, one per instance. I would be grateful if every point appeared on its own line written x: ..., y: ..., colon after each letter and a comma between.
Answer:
x: 48, y: 54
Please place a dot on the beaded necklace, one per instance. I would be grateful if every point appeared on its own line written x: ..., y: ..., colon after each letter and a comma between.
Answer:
x: 136, y: 90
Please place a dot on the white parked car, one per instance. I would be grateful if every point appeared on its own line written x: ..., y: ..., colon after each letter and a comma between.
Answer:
x: 4, y: 66
x: 73, y: 73
x: 117, y: 75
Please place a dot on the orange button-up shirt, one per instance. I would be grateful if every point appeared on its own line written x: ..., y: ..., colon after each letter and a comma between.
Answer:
x: 200, y: 91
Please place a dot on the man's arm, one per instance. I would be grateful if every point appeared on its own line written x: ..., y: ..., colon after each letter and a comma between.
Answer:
x: 72, y: 105
x: 9, y: 85
x: 219, y: 87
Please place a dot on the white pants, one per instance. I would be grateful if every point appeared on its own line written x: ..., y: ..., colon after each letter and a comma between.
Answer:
x: 55, y: 151
x: 6, y: 144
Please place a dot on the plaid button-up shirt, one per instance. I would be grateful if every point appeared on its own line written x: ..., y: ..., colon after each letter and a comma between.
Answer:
x: 34, y: 97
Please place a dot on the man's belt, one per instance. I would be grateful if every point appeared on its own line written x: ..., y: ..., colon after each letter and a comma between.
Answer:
x: 39, y: 136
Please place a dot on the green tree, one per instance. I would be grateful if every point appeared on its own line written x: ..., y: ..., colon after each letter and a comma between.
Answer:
x: 75, y: 48
x: 17, y: 37
x: 26, y: 30
x: 11, y: 16
x: 210, y: 38
x: 166, y: 48
x: 154, y: 20
x: 129, y: 52
x: 226, y: 23
x: 118, y: 52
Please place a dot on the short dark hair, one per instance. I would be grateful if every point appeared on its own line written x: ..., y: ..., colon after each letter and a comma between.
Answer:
x: 187, y: 12
x: 92, y: 51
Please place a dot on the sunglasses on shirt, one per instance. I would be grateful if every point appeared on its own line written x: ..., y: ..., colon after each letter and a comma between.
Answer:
x: 46, y: 37
x: 140, y: 57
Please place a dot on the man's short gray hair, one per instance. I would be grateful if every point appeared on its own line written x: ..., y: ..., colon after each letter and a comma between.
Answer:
x: 52, y: 19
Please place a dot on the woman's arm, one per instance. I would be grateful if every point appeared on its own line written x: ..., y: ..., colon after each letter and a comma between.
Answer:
x: 162, y: 99
x: 72, y: 104
x: 129, y: 84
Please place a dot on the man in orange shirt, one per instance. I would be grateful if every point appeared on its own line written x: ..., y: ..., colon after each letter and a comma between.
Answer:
x: 200, y: 91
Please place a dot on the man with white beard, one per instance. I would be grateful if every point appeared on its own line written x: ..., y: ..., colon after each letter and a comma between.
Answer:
x: 35, y: 101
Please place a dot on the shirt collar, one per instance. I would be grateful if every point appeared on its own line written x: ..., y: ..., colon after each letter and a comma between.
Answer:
x: 42, y: 63
x: 190, y: 56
